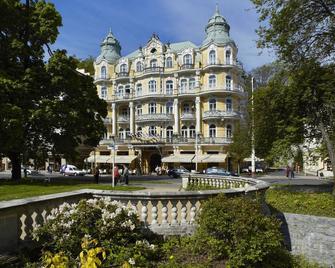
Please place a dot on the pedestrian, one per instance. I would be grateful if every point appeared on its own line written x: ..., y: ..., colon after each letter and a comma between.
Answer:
x: 25, y: 172
x: 116, y: 174
x: 96, y: 175
x: 287, y: 171
x: 292, y: 173
x: 125, y: 174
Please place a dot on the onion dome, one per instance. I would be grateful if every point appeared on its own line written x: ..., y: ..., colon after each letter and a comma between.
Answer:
x: 110, y: 49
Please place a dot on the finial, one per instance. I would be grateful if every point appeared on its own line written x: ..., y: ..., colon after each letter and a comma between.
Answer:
x: 217, y: 8
x: 110, y: 30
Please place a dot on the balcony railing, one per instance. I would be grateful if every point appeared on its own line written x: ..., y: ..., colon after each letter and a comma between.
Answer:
x: 219, y: 114
x: 153, y: 117
x: 153, y: 70
x: 187, y: 66
x: 125, y: 96
x: 187, y: 116
x: 122, y: 74
x: 123, y: 118
x: 101, y: 78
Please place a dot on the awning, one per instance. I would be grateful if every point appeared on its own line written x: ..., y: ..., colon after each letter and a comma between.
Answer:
x: 179, y: 158
x: 119, y: 159
x: 212, y: 158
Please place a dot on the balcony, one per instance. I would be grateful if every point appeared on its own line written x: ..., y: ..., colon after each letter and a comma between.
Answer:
x: 220, y: 64
x: 123, y: 119
x: 217, y: 114
x: 187, y: 66
x: 153, y: 117
x: 125, y: 96
x: 153, y: 70
x: 101, y: 78
x: 187, y: 116
x: 122, y: 75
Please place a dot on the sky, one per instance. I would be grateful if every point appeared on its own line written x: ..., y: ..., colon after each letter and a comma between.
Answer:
x: 87, y: 22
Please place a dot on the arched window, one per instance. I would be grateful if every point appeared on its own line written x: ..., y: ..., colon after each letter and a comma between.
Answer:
x: 103, y: 93
x: 212, y: 131
x: 169, y: 132
x: 123, y: 68
x: 139, y: 90
x: 212, y: 104
x: 228, y: 82
x: 103, y: 72
x: 169, y: 87
x: 127, y: 89
x: 192, y: 131
x: 152, y: 107
x: 186, y: 107
x: 121, y: 133
x: 228, y: 57
x: 152, y: 86
x: 139, y: 66
x: 229, y: 105
x: 153, y: 63
x: 184, y: 131
x: 229, y: 131
x: 191, y: 83
x: 139, y: 132
x: 152, y: 131
x: 183, y: 85
x: 212, y: 81
x: 168, y: 62
x: 120, y: 91
x: 187, y: 59
x: 169, y: 107
x: 212, y: 57
x: 139, y: 109
x: 127, y: 132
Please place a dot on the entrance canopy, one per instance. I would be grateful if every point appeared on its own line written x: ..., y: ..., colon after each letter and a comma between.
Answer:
x: 108, y: 159
x: 191, y: 158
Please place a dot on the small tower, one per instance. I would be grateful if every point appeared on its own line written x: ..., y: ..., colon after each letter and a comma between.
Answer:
x: 217, y: 30
x: 110, y: 49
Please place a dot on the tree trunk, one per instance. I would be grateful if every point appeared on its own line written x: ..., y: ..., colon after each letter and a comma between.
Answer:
x: 238, y: 168
x: 330, y: 149
x: 15, y: 159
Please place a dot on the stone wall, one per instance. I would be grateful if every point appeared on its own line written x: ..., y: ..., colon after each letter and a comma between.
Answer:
x: 311, y: 236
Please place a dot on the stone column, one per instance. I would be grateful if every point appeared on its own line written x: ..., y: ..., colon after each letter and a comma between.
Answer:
x: 197, y: 79
x: 176, y: 116
x: 176, y: 87
x: 197, y: 115
x: 113, y: 119
x: 132, y: 119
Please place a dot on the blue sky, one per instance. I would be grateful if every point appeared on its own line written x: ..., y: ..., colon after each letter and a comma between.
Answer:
x: 86, y: 23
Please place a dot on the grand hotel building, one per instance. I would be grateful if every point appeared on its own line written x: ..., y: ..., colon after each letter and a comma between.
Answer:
x: 170, y: 104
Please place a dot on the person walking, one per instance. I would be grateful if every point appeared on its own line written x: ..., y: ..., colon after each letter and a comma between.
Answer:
x: 96, y: 175
x: 116, y: 174
x: 125, y: 174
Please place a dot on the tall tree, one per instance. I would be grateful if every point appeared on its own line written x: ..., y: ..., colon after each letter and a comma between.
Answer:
x: 87, y: 64
x: 303, y: 35
x: 45, y: 106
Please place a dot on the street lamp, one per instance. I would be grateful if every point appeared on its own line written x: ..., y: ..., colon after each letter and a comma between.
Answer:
x: 196, y: 150
x: 112, y: 147
x: 253, y: 155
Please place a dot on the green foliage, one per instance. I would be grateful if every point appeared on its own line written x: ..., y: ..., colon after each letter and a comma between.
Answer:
x: 318, y: 204
x: 46, y: 107
x: 87, y: 64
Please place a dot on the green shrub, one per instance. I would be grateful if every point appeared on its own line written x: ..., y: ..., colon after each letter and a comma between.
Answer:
x: 235, y: 229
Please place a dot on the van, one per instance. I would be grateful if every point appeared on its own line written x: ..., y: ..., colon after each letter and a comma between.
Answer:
x: 71, y: 170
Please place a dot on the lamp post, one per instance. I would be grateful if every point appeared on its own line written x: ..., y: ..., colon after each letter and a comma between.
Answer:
x: 112, y: 147
x: 253, y: 155
x: 196, y: 151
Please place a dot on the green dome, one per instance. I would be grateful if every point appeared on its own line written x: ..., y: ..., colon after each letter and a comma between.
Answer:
x: 110, y: 49
x: 217, y: 30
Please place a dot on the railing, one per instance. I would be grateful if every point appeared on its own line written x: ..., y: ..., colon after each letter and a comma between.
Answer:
x: 187, y: 116
x: 219, y: 113
x: 187, y: 66
x: 153, y: 70
x: 125, y: 96
x: 122, y: 119
x: 101, y: 78
x: 153, y: 117
x: 122, y: 74
x: 167, y: 213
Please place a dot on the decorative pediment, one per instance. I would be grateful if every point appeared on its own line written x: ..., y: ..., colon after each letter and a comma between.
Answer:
x: 154, y: 46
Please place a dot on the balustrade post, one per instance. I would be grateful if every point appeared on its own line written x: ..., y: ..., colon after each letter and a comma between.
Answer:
x: 174, y: 212
x: 192, y: 213
x: 154, y: 212
x: 164, y: 212
x: 183, y: 213
x: 144, y: 213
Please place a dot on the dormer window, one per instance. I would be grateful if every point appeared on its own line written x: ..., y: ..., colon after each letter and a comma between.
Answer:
x: 168, y: 62
x: 187, y: 59
x: 139, y: 66
x: 212, y: 57
x: 103, y: 72
x: 123, y: 68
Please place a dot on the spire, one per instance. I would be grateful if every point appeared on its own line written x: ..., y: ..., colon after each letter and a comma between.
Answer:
x: 217, y: 10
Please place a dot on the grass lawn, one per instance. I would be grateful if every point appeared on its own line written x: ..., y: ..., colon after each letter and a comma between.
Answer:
x: 318, y: 204
x: 25, y: 188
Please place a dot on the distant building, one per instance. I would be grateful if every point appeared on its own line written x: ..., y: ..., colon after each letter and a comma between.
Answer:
x: 164, y: 99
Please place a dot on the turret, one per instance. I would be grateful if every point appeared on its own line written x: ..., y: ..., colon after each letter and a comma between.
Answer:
x: 110, y: 49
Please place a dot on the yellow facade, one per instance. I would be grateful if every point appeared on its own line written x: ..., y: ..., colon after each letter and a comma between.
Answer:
x: 177, y: 99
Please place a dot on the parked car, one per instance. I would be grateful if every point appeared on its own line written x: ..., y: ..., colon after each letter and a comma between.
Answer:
x: 176, y: 172
x: 259, y: 170
x: 220, y: 171
x: 71, y: 170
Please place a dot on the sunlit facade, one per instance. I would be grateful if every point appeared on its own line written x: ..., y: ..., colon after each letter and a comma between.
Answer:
x: 170, y: 104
